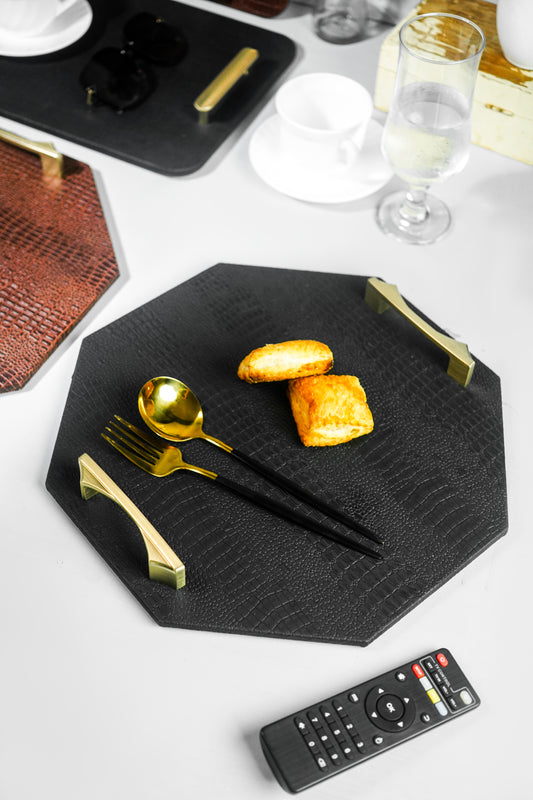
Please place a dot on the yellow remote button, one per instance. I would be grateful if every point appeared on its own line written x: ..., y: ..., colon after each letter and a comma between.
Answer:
x: 433, y: 696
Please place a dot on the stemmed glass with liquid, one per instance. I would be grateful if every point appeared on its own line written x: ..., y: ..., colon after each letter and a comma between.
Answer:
x: 427, y: 133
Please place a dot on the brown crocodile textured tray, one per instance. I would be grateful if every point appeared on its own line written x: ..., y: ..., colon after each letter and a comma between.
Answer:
x: 430, y: 477
x: 261, y: 8
x: 56, y: 259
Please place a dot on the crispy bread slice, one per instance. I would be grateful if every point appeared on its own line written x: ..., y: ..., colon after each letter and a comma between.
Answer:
x: 329, y: 409
x: 285, y: 360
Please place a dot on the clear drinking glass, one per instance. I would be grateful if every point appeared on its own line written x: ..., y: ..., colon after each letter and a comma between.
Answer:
x: 340, y: 21
x: 427, y: 133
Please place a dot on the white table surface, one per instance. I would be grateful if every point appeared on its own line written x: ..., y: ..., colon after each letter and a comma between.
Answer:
x: 97, y: 701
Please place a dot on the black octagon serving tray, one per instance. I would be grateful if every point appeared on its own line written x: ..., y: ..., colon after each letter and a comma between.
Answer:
x: 430, y: 478
x: 163, y: 134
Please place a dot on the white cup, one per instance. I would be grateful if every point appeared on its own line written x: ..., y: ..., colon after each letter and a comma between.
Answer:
x: 514, y: 23
x: 324, y: 118
x: 28, y: 17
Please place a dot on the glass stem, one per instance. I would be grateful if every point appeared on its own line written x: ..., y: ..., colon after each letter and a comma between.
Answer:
x: 414, y: 209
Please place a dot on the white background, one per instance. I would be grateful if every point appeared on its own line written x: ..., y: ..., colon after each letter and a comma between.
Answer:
x: 97, y: 700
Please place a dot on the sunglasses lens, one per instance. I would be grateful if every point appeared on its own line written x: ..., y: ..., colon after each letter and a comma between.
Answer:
x: 117, y: 79
x: 155, y: 39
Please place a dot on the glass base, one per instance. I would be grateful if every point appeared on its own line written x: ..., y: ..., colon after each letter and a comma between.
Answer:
x: 395, y: 219
x: 339, y: 27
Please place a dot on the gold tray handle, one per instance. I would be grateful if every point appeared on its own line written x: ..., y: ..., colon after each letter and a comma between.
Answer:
x: 212, y: 95
x: 164, y: 565
x: 52, y: 161
x: 380, y: 296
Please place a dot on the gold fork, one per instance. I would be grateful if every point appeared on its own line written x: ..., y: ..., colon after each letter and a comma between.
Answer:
x: 161, y: 460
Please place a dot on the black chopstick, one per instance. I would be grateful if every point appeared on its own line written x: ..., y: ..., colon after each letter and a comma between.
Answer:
x: 303, y: 494
x: 290, y: 514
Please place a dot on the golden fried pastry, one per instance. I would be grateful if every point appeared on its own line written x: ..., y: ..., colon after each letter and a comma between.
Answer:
x: 285, y: 360
x: 329, y: 409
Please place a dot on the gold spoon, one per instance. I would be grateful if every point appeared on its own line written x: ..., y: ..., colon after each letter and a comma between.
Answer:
x: 171, y: 410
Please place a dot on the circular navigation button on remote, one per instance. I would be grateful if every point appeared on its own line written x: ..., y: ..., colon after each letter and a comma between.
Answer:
x: 390, y: 707
x: 388, y: 711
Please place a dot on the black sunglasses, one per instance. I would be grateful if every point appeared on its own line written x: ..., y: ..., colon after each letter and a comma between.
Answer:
x: 121, y: 77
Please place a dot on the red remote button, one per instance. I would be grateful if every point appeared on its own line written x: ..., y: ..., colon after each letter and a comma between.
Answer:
x: 417, y: 669
x: 441, y: 658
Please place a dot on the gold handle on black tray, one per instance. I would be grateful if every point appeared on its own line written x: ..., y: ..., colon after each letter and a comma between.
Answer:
x: 212, y: 95
x: 164, y: 565
x: 380, y: 296
x: 51, y: 159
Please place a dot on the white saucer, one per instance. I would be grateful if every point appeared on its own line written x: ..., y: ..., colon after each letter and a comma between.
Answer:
x: 339, y: 185
x: 69, y: 26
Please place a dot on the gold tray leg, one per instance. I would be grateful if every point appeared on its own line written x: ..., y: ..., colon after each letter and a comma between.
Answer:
x: 164, y: 565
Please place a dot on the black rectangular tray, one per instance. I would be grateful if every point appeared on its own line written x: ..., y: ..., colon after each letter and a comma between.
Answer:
x: 163, y: 134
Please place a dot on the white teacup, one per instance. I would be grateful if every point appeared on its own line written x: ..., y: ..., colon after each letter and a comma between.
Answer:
x: 29, y: 17
x: 324, y: 118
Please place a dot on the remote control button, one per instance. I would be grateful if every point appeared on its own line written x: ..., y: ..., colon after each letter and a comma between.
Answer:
x: 378, y: 740
x: 452, y: 703
x: 441, y: 658
x: 417, y: 669
x: 339, y: 708
x: 353, y: 697
x: 321, y: 762
x: 330, y: 750
x: 425, y: 717
x: 390, y: 707
x: 401, y: 676
x: 466, y: 697
x: 437, y: 677
x: 425, y: 684
x: 389, y: 712
x: 356, y: 738
x: 441, y: 708
x: 301, y: 725
x: 433, y: 696
x: 429, y: 664
x: 348, y: 752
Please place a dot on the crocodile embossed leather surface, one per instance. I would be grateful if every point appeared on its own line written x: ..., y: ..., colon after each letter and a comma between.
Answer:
x: 56, y: 259
x: 430, y: 477
x: 262, y: 8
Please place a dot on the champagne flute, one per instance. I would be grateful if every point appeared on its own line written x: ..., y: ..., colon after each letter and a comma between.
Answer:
x: 427, y: 133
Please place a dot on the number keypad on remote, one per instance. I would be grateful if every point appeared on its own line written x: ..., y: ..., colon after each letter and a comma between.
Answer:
x: 341, y: 731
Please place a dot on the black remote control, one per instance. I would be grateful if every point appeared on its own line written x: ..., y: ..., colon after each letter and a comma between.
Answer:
x: 338, y: 733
